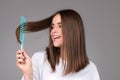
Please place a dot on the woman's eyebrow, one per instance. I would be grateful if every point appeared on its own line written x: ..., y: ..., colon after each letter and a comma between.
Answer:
x: 57, y: 23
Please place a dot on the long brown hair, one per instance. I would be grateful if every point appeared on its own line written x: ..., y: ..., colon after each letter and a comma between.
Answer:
x: 73, y: 48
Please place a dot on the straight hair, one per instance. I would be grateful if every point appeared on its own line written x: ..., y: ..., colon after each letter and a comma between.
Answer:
x: 73, y: 48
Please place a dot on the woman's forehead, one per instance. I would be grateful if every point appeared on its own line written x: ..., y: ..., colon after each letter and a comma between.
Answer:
x: 56, y: 19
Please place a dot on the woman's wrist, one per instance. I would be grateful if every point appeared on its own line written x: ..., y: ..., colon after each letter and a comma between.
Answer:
x: 28, y: 76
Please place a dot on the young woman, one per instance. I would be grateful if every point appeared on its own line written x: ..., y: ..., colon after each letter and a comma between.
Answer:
x: 65, y: 57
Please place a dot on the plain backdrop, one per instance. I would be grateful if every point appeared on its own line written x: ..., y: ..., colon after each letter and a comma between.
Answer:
x: 102, y: 26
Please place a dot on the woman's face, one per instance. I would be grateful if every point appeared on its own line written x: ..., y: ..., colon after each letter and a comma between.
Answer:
x: 56, y: 31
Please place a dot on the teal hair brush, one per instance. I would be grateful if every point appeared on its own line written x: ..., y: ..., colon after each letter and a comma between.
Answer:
x: 22, y: 29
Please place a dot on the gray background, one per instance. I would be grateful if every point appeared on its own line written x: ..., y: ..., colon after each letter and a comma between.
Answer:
x: 102, y: 25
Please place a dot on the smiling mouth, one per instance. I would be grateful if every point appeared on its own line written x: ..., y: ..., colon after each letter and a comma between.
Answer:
x: 56, y: 37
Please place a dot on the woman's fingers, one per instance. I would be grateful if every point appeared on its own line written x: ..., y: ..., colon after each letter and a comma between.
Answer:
x: 24, y: 62
x: 20, y: 57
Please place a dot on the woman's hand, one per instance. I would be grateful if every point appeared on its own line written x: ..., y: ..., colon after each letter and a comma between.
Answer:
x: 24, y: 63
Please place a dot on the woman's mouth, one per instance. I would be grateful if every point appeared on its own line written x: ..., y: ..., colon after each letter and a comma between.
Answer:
x: 56, y: 37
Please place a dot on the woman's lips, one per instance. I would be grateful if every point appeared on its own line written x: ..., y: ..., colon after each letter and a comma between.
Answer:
x: 56, y: 37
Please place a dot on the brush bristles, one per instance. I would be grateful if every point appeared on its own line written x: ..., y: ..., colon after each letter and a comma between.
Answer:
x: 22, y: 27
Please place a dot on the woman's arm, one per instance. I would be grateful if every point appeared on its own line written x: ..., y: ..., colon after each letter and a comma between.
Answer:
x: 24, y: 63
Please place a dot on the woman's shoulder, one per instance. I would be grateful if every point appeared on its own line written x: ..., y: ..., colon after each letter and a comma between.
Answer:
x: 88, y: 73
x: 91, y: 65
x: 91, y: 71
x: 39, y: 56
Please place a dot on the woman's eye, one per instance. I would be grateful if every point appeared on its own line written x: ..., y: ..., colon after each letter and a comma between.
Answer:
x: 60, y: 26
x: 51, y: 27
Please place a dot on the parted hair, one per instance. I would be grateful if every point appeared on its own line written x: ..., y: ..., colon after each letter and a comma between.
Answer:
x: 73, y: 48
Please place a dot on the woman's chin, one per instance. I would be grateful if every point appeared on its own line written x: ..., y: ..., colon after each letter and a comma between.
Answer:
x: 57, y: 45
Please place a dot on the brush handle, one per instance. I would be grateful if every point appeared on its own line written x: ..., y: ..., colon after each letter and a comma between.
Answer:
x: 21, y: 47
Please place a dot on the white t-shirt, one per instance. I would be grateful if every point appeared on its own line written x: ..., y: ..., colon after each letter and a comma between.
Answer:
x: 42, y: 70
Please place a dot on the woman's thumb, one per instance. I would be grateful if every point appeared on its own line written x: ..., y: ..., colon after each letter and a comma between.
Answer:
x: 25, y: 54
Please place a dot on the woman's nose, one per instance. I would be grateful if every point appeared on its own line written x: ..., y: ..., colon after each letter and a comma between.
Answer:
x: 54, y: 30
